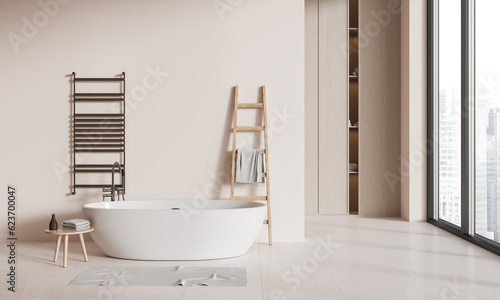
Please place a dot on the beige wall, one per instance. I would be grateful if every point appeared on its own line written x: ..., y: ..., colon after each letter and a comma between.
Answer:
x: 413, y: 110
x: 178, y: 124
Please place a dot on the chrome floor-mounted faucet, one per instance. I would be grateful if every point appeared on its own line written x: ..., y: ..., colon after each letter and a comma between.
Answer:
x: 114, y: 189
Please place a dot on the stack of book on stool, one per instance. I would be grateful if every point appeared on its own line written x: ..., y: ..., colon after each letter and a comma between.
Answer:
x: 76, y: 224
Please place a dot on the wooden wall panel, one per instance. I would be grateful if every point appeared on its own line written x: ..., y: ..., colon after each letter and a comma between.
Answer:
x: 311, y: 106
x: 332, y: 109
x: 379, y: 108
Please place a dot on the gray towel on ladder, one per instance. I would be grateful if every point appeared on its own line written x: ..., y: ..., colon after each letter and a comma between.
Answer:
x: 249, y: 166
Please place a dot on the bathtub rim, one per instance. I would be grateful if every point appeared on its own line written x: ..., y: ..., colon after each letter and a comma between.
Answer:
x: 252, y: 205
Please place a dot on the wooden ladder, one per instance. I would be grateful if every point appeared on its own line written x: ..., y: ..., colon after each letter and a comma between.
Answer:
x: 265, y: 151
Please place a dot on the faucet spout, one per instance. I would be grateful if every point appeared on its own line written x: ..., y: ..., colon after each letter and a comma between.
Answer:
x: 114, y: 189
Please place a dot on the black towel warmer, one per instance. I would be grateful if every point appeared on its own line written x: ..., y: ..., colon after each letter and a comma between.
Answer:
x: 95, y: 133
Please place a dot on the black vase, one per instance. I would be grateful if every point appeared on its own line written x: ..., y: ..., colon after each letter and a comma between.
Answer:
x: 53, y: 223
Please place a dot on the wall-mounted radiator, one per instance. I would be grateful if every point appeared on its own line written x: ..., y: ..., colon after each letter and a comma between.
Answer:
x: 98, y: 133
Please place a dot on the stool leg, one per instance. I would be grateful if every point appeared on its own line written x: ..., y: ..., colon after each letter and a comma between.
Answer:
x: 58, y: 244
x: 65, y: 257
x: 82, y: 242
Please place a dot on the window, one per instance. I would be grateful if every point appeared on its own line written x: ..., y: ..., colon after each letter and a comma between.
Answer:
x: 487, y: 109
x: 464, y: 119
x: 449, y: 110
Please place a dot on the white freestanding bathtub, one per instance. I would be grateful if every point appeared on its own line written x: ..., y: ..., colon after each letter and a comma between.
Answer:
x: 175, y: 230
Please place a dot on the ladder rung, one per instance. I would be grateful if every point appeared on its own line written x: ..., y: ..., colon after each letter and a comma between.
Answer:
x: 266, y: 222
x: 250, y: 198
x: 264, y: 174
x: 250, y: 105
x: 249, y: 128
x: 263, y: 151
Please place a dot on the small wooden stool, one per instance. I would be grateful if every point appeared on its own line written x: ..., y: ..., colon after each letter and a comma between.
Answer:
x: 66, y: 233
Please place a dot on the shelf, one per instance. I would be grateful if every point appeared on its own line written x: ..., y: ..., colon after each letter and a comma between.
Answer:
x: 351, y: 171
x: 353, y: 77
x: 353, y: 127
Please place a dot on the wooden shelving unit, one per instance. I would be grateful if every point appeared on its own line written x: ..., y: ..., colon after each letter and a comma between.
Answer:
x: 353, y: 105
x: 371, y: 100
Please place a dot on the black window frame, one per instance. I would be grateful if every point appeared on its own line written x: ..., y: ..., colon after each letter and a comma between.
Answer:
x: 466, y: 230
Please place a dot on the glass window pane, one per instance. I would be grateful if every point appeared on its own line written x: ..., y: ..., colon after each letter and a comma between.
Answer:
x: 487, y: 119
x: 449, y: 110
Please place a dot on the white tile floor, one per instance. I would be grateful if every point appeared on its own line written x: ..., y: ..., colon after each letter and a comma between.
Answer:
x: 342, y: 258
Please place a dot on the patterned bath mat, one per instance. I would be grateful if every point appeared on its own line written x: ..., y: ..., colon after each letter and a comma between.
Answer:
x: 162, y: 276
